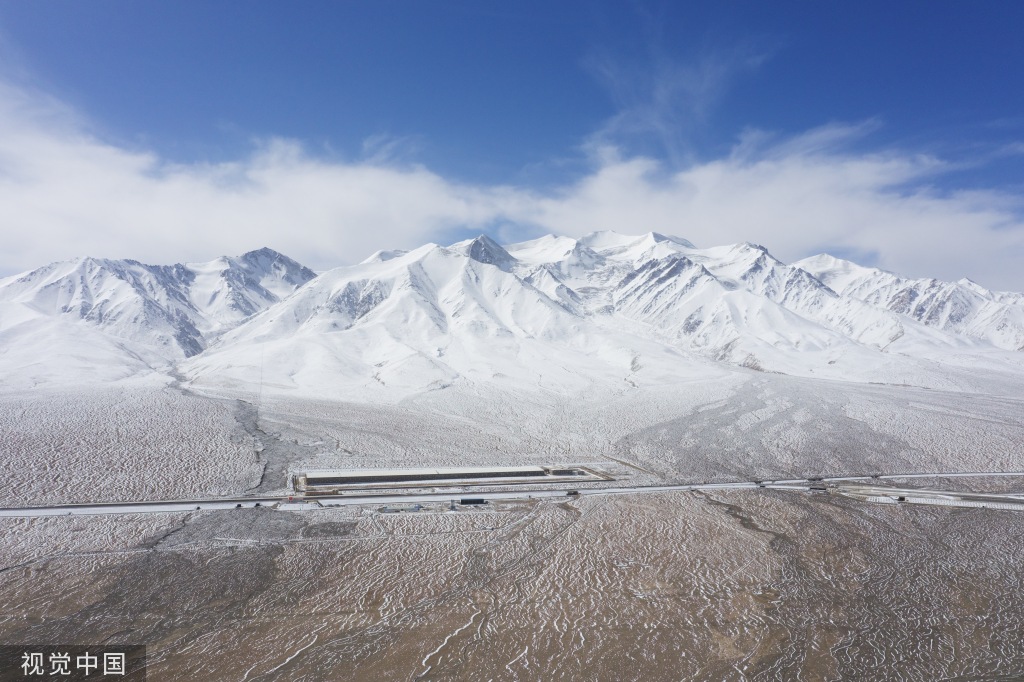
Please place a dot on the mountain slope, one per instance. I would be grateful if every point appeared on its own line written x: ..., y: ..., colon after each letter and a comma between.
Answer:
x: 563, y: 314
x: 710, y: 297
x: 963, y: 308
x: 146, y: 315
x: 420, y: 319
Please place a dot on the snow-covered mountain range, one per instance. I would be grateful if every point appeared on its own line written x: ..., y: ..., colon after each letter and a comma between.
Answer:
x: 111, y: 318
x: 964, y: 308
x: 556, y: 313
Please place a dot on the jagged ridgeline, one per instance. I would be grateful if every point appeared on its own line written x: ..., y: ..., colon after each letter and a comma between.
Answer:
x: 554, y: 310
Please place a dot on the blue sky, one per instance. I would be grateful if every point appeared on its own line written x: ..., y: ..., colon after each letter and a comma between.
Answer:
x: 892, y: 133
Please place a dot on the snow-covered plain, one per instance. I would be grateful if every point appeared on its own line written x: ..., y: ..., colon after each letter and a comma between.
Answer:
x: 151, y: 442
x: 121, y: 443
x: 740, y: 585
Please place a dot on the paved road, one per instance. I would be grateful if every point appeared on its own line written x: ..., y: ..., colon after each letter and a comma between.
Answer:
x: 944, y: 498
x: 298, y: 503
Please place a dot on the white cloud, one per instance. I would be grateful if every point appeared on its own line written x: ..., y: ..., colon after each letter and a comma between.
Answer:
x: 803, y: 195
x: 63, y: 192
x: 66, y: 192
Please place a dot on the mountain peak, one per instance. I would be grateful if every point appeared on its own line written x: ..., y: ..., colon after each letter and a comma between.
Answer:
x: 821, y: 259
x: 266, y: 260
x: 610, y: 239
x: 483, y: 249
x: 970, y: 284
x: 383, y: 255
x: 827, y: 267
x: 264, y: 252
x: 265, y: 256
x: 658, y: 237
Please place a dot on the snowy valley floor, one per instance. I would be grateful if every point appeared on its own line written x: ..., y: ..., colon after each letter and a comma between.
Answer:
x: 147, y: 441
x: 729, y: 585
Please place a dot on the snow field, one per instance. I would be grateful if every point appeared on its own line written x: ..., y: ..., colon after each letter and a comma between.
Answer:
x: 734, y: 585
x: 118, y: 444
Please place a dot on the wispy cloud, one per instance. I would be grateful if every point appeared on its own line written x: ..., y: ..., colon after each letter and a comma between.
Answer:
x: 65, y: 191
x: 666, y: 103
